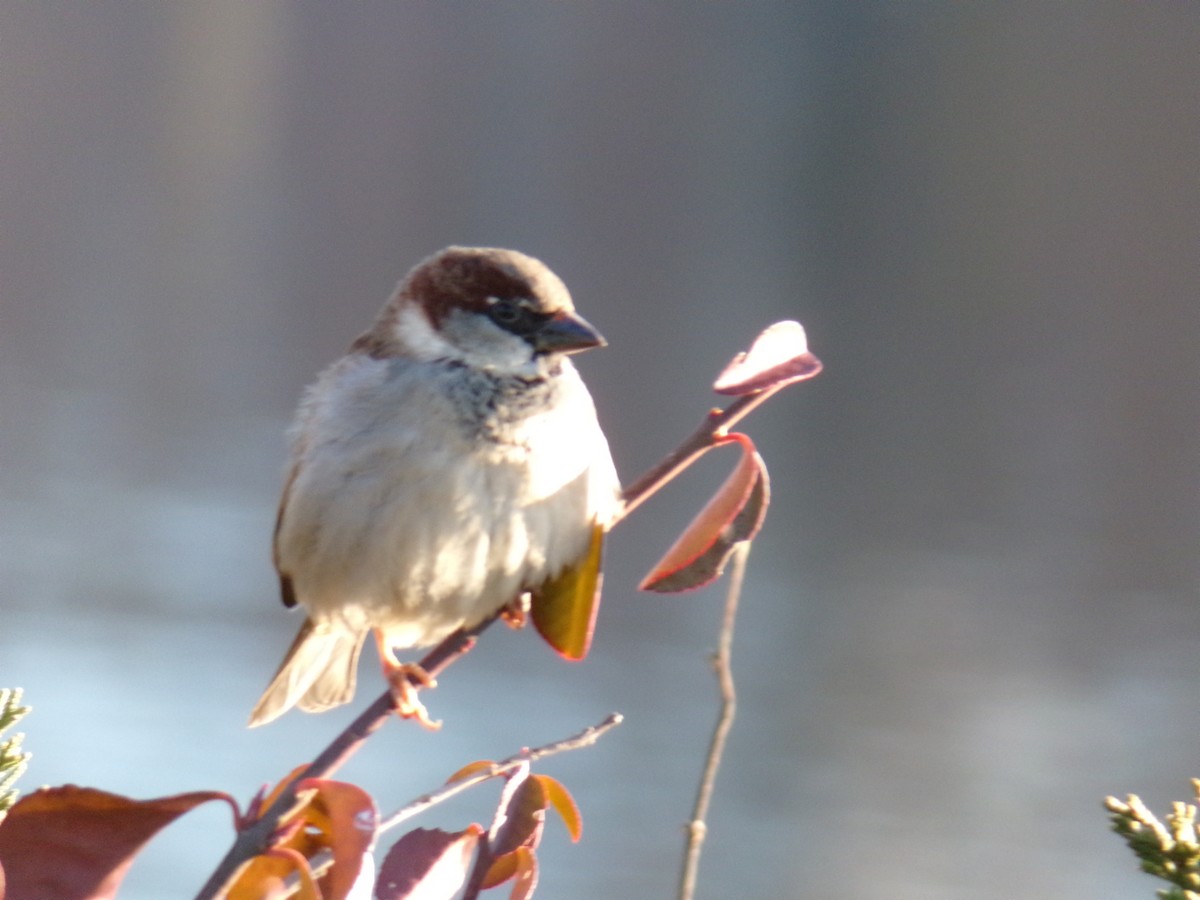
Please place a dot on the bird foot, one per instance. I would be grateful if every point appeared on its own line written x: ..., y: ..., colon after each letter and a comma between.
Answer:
x: 515, y: 613
x: 405, y: 679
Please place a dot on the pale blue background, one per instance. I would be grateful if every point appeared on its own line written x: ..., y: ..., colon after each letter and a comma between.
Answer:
x: 973, y: 611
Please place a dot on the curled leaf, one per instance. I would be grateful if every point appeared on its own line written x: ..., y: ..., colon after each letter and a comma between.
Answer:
x: 519, y: 865
x: 734, y: 514
x: 778, y: 356
x: 74, y: 842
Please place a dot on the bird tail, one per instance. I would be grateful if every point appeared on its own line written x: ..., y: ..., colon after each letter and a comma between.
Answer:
x: 317, y: 673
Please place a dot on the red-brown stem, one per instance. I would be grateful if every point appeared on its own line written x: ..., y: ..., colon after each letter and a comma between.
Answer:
x: 256, y: 836
x: 714, y: 426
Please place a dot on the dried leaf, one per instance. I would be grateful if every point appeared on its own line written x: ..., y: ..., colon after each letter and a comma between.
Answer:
x: 778, y: 356
x: 427, y: 864
x: 734, y: 514
x: 73, y: 842
x: 564, y: 804
x: 564, y: 608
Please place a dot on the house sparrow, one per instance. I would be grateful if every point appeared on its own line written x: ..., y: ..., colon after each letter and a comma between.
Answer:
x: 448, y: 463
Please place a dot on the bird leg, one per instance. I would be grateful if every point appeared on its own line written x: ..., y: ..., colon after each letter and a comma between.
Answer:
x: 405, y: 679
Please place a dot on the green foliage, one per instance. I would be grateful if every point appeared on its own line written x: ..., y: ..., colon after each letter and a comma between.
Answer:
x: 12, y: 759
x: 1168, y: 851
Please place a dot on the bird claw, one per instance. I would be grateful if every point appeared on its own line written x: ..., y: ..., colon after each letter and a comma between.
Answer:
x: 405, y: 679
x: 515, y: 613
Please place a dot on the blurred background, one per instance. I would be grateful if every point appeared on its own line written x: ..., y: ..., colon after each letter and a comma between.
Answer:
x: 974, y: 609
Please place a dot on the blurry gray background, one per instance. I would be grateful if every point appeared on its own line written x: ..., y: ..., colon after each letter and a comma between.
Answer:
x: 974, y: 609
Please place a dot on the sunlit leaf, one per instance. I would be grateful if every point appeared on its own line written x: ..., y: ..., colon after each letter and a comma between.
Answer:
x: 527, y: 874
x: 564, y: 804
x: 734, y: 514
x: 519, y: 865
x: 269, y: 876
x: 330, y: 816
x: 348, y: 818
x: 72, y: 842
x: 427, y: 864
x: 470, y: 769
x: 777, y: 357
x: 524, y: 816
x: 564, y: 608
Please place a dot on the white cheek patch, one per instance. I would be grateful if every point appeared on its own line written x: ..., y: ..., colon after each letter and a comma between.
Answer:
x: 420, y: 338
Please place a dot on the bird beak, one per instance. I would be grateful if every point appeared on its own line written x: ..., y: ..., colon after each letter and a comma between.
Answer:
x: 566, y: 332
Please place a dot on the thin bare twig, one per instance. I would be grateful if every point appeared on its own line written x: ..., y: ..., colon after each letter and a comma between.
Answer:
x: 697, y: 828
x: 585, y: 738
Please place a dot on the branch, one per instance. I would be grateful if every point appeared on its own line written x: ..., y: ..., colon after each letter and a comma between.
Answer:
x: 697, y: 828
x: 709, y: 433
x: 255, y: 836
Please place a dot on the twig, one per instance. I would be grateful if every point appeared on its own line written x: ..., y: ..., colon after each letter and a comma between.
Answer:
x: 585, y: 738
x: 255, y: 836
x: 697, y: 828
x: 714, y: 426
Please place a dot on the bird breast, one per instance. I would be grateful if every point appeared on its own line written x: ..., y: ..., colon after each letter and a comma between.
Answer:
x: 424, y: 499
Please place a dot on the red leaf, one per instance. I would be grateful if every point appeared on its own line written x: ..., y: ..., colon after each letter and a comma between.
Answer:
x: 734, y: 514
x: 347, y: 816
x: 331, y: 816
x: 72, y: 842
x: 777, y: 357
x: 427, y: 864
x: 521, y: 818
x: 564, y: 608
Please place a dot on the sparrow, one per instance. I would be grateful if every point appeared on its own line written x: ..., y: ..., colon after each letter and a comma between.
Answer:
x: 448, y: 464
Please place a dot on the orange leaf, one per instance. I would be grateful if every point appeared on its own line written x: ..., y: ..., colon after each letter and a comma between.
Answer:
x: 480, y: 765
x: 734, y: 514
x: 73, y: 842
x: 527, y: 874
x: 778, y: 356
x: 564, y: 804
x: 427, y: 864
x: 331, y: 816
x: 267, y: 876
x: 564, y: 608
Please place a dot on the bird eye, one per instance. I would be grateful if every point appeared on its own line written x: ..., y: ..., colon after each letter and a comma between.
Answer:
x: 504, y: 311
x: 512, y: 315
